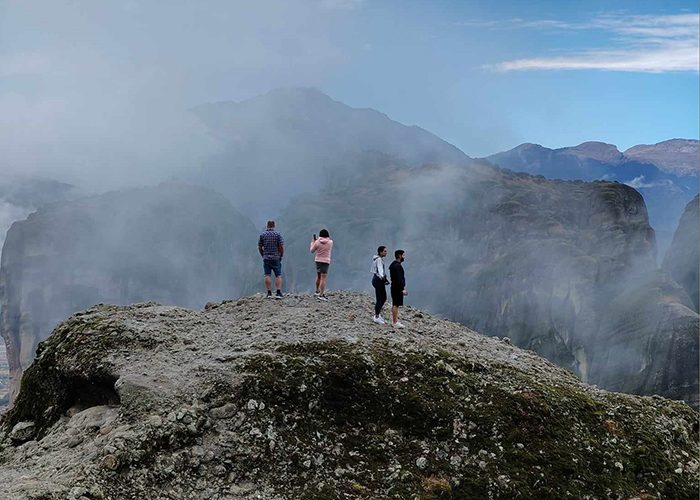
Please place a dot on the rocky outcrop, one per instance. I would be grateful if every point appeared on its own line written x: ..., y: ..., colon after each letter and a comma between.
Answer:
x: 4, y: 377
x: 300, y: 399
x: 665, y: 174
x: 173, y: 243
x: 19, y: 196
x: 544, y: 262
x: 683, y: 258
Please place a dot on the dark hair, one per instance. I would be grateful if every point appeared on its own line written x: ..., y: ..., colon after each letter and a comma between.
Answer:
x: 398, y: 254
x: 380, y: 249
x: 323, y: 233
x: 270, y: 223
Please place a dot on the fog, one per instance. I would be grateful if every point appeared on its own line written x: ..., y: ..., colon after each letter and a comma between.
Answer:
x: 106, y: 96
x: 97, y: 93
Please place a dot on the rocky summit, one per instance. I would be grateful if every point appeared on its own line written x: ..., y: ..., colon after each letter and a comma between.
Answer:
x: 296, y: 398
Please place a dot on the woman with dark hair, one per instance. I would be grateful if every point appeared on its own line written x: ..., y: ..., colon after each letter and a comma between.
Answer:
x: 379, y: 282
x: 322, y: 247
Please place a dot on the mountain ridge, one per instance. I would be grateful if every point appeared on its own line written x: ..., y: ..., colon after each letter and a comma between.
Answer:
x: 666, y: 190
x: 645, y: 153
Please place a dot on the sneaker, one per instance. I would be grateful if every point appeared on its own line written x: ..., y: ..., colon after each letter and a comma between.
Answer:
x: 278, y: 294
x: 269, y: 294
x: 322, y: 297
x: 398, y: 324
x: 379, y: 320
x: 317, y: 293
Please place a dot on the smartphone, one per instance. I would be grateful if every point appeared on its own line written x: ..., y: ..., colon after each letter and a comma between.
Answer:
x: 314, y: 236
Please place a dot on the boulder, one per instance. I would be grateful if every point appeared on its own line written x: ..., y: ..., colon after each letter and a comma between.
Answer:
x: 302, y: 399
x: 174, y: 243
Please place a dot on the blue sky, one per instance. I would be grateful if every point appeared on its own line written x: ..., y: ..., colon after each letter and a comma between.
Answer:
x: 82, y: 82
x: 436, y: 64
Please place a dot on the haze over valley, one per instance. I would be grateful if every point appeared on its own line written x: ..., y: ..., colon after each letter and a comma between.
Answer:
x: 538, y: 163
x: 558, y: 266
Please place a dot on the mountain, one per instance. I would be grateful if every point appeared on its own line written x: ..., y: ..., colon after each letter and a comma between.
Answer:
x: 675, y: 156
x: 19, y: 196
x: 666, y: 174
x: 289, y: 142
x: 174, y: 243
x: 300, y: 399
x: 594, y: 150
x: 683, y: 258
x: 564, y: 268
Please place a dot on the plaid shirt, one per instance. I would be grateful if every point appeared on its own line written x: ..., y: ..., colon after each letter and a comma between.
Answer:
x: 270, y: 240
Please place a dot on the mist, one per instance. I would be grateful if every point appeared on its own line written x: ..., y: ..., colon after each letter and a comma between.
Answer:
x: 99, y: 94
x: 105, y: 97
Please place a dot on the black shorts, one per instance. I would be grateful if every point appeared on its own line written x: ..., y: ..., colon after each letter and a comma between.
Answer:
x: 396, y: 297
x: 322, y: 267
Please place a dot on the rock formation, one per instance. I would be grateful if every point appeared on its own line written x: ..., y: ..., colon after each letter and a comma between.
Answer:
x: 683, y: 258
x: 173, y: 243
x: 293, y: 399
x: 564, y: 268
x: 19, y: 196
x: 666, y: 174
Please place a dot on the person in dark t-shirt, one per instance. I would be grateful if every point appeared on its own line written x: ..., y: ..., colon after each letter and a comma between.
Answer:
x: 271, y: 248
x: 398, y: 287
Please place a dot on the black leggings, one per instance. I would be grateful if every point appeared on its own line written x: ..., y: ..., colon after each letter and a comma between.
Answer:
x: 380, y: 292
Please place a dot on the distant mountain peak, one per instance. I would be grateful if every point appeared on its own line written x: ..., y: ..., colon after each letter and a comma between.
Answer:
x: 676, y: 156
x: 529, y: 146
x: 595, y: 150
x: 304, y: 94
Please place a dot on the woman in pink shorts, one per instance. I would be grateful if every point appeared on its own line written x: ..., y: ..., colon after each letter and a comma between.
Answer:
x: 322, y: 247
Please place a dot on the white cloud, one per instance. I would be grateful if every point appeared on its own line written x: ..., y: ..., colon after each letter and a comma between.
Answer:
x: 650, y: 44
x: 518, y: 23
x: 638, y: 183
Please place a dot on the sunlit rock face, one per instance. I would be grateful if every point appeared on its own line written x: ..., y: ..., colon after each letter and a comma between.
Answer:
x: 677, y: 156
x: 265, y: 399
x: 563, y: 268
x: 173, y: 243
x: 682, y: 259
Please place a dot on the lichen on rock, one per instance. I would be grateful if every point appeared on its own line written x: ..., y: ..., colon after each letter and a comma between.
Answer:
x: 300, y: 399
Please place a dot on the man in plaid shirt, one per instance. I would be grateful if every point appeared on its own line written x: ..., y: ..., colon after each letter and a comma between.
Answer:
x: 271, y: 248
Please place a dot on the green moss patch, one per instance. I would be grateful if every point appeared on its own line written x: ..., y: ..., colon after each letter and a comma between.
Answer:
x: 352, y: 419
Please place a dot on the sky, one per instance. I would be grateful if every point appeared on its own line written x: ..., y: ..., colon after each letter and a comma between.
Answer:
x: 87, y: 87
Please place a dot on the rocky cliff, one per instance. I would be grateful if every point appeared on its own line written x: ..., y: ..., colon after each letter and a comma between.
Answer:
x: 683, y: 258
x: 173, y: 243
x: 564, y: 268
x: 294, y: 399
x: 666, y: 174
x: 19, y: 196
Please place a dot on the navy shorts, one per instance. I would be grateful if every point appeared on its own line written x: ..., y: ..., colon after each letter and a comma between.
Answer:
x: 271, y: 265
x: 322, y: 267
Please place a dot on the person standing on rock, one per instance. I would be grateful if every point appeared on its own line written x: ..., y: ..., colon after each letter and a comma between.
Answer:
x: 398, y: 287
x: 379, y: 282
x: 322, y: 247
x: 271, y: 248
